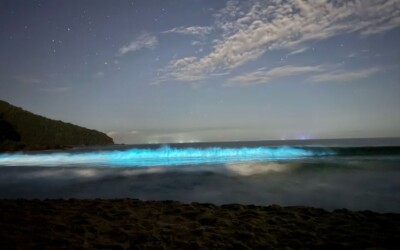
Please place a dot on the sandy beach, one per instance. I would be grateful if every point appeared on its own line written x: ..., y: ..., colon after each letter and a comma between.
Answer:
x: 135, y: 224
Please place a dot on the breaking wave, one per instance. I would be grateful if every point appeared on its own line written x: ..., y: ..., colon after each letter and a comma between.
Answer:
x: 163, y: 156
x: 171, y: 156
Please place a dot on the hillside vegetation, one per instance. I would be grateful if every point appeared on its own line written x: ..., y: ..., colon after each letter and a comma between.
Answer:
x: 25, y: 129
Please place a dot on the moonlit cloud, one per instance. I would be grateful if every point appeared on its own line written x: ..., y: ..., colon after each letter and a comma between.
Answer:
x: 176, y: 69
x: 59, y: 89
x: 251, y: 30
x: 351, y: 55
x: 28, y: 79
x: 342, y: 76
x: 264, y: 75
x: 298, y: 51
x: 112, y: 133
x: 322, y: 73
x: 193, y: 30
x: 98, y: 75
x: 194, y: 43
x: 145, y: 41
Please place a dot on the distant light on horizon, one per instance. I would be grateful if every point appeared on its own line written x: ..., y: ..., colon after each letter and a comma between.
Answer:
x: 304, y: 137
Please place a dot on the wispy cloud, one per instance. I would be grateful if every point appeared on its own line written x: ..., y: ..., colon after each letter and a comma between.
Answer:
x: 59, y: 89
x: 322, y: 73
x: 264, y: 75
x: 250, y: 29
x: 145, y: 40
x: 194, y: 43
x: 342, y: 75
x: 298, y: 51
x: 40, y: 84
x: 176, y: 69
x: 351, y: 55
x: 112, y: 133
x: 28, y: 79
x: 192, y: 30
x: 98, y: 75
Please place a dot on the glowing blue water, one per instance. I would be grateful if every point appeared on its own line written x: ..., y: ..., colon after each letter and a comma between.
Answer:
x: 164, y: 156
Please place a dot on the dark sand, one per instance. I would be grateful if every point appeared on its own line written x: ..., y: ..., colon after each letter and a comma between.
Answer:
x: 134, y: 224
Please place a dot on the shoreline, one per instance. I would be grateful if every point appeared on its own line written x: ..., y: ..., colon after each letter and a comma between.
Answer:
x: 132, y: 223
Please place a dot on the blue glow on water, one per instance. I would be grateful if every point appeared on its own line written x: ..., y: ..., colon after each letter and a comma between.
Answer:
x: 164, y: 156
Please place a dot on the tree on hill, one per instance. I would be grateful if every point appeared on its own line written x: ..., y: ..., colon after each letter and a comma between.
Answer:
x: 8, y: 131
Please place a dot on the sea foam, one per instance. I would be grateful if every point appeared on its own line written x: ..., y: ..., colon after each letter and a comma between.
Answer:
x: 163, y: 156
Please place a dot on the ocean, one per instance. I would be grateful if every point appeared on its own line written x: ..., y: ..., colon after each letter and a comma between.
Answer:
x: 357, y: 174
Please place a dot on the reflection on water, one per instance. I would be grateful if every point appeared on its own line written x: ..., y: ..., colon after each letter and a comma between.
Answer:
x: 356, y: 183
x: 254, y: 168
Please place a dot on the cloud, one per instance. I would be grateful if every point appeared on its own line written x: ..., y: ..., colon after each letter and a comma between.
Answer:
x: 145, y: 41
x: 194, y: 43
x: 112, y: 133
x: 264, y: 75
x: 323, y: 73
x: 351, y: 55
x: 387, y: 16
x: 249, y: 29
x: 172, y: 70
x: 56, y: 89
x: 98, y: 75
x: 28, y: 79
x: 40, y: 84
x: 176, y: 69
x: 342, y: 76
x: 193, y: 30
x: 298, y: 51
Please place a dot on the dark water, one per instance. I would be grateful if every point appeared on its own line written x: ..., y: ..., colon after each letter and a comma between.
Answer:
x: 353, y: 174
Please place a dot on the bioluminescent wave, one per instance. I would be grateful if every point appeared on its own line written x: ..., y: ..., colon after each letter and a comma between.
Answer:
x: 164, y: 156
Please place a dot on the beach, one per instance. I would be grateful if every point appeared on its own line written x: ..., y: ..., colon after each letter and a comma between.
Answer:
x: 136, y: 224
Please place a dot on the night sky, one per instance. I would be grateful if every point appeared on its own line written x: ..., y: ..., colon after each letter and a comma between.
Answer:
x: 204, y: 70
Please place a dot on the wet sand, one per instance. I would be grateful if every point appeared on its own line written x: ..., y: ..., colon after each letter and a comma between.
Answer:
x: 135, y: 224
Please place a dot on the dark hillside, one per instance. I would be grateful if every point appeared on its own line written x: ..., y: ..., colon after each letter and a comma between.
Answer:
x: 26, y: 128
